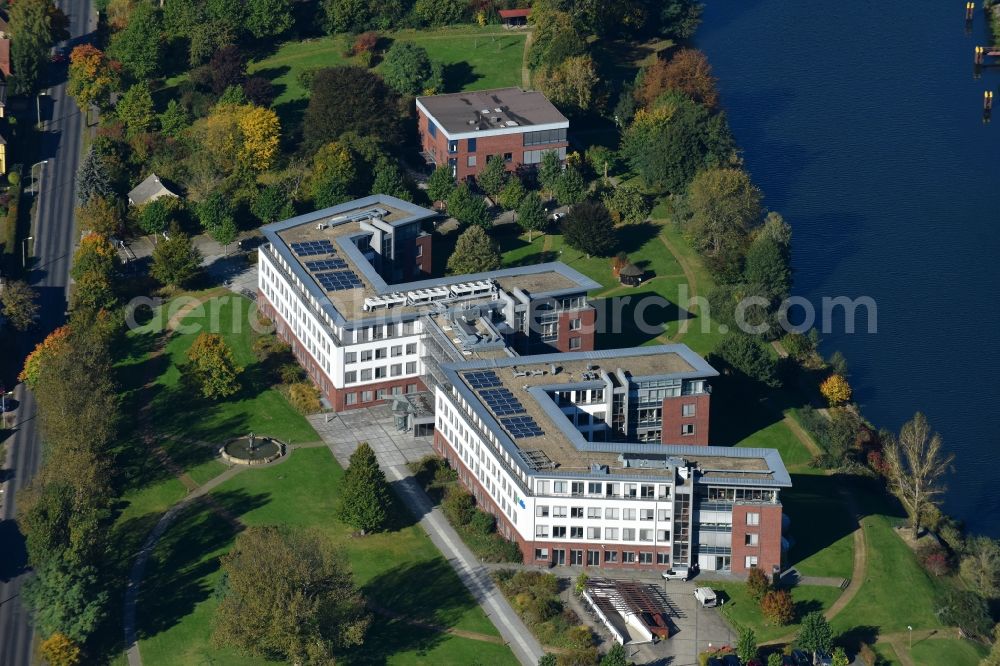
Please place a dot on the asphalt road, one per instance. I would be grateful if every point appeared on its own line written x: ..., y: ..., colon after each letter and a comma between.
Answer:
x: 50, y: 252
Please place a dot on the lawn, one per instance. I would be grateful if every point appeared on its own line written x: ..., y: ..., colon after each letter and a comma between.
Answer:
x: 399, y: 570
x: 778, y: 436
x: 474, y: 58
x: 743, y: 611
x: 821, y: 527
x: 951, y: 651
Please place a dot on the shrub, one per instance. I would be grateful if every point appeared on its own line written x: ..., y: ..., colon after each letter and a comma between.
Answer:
x: 291, y: 373
x: 306, y: 76
x: 482, y: 523
x: 757, y: 584
x: 458, y: 506
x: 365, y: 42
x: 304, y: 397
x: 777, y: 607
x: 267, y: 345
x: 935, y: 559
x: 836, y: 390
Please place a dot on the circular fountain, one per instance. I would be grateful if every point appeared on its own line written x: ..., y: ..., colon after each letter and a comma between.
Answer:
x: 252, y: 450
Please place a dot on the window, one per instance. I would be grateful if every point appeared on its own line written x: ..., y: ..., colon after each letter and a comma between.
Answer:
x: 647, y: 491
x: 662, y: 558
x: 380, y: 372
x: 751, y: 540
x: 611, y: 533
x: 453, y: 146
x: 544, y: 136
x: 351, y: 399
x: 593, y: 532
x: 630, y: 490
x: 541, y: 511
x: 753, y: 518
x: 662, y: 535
x: 751, y: 562
x: 611, y: 514
x: 541, y: 531
x: 575, y: 324
x: 576, y: 533
x: 576, y: 557
x: 559, y: 532
x: 432, y: 128
x: 470, y: 160
x: 610, y: 557
x: 594, y: 512
x: 380, y: 394
x: 350, y: 377
x: 576, y: 512
x: 350, y: 357
x: 628, y: 514
x: 366, y: 396
x: 687, y: 429
x: 397, y: 390
x: 558, y: 512
x: 645, y: 514
x: 628, y: 534
x: 645, y: 535
x: 380, y: 353
x: 542, y: 487
x: 541, y: 553
x: 472, y: 145
x: 411, y: 388
x: 396, y: 350
x: 366, y: 355
x: 366, y: 375
x: 628, y: 557
x: 396, y: 369
x: 559, y: 487
x: 688, y: 410
x: 593, y: 558
x: 662, y: 515
x: 595, y: 488
x: 411, y: 348
x: 575, y: 343
x: 411, y: 367
x: 577, y: 487
x: 645, y: 558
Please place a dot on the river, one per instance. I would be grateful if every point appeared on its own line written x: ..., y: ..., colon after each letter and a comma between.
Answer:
x: 863, y: 127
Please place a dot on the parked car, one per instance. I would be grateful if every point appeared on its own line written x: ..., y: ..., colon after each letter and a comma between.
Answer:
x: 677, y: 573
x: 800, y: 658
x: 706, y: 597
x: 822, y: 659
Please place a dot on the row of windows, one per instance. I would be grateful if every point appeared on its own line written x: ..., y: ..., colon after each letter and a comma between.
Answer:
x: 381, y: 332
x: 595, y: 513
x: 535, y: 156
x: 380, y: 352
x: 381, y: 372
x: 544, y: 136
x: 610, y: 557
x: 599, y: 488
x: 610, y: 533
x: 378, y: 394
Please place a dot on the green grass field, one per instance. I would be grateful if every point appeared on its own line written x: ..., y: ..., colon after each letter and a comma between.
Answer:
x: 743, y: 611
x: 952, y: 651
x: 821, y: 527
x: 400, y: 570
x: 473, y: 58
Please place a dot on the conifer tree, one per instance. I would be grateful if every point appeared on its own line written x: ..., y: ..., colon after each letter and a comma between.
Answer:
x: 365, y: 501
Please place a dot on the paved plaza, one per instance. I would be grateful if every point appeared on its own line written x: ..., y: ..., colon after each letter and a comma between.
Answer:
x: 344, y: 431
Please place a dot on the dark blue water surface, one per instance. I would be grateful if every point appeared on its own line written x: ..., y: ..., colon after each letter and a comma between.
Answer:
x: 862, y: 123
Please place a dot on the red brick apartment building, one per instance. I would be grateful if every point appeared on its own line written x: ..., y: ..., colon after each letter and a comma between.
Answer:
x: 462, y: 130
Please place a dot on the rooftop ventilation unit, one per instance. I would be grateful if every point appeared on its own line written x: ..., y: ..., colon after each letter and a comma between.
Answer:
x: 511, y: 123
x: 498, y: 109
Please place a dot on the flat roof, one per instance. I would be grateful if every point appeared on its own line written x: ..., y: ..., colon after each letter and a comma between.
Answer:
x: 565, y: 446
x: 499, y: 108
x: 336, y: 226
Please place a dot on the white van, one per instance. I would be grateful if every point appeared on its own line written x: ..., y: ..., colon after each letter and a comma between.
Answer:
x: 706, y: 596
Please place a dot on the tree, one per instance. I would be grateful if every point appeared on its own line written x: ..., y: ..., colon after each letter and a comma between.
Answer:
x: 748, y: 356
x: 775, y: 659
x: 365, y: 502
x: 627, y: 205
x: 669, y: 142
x: 227, y: 68
x: 389, y: 180
x: 588, y: 227
x: 241, y: 136
x: 778, y: 607
x: 54, y: 344
x: 679, y: 18
x: 746, y: 645
x: 176, y: 261
x: 59, y: 650
x: 155, y: 216
x: 757, y: 584
x: 135, y: 110
x: 687, y: 71
x: 840, y: 658
x: 350, y: 16
x: 268, y: 18
x: 815, y: 634
x: 615, y: 657
x: 441, y: 184
x: 993, y: 658
x: 512, y: 194
x: 19, y: 304
x: 767, y: 267
x: 531, y: 214
x: 724, y: 204
x: 407, y: 68
x: 967, y: 610
x: 92, y: 179
x: 92, y: 77
x: 302, y: 616
x: 468, y: 208
x: 571, y: 84
x: 549, y: 170
x: 493, y: 176
x: 139, y: 45
x: 917, y: 468
x: 211, y: 367
x: 547, y: 659
x: 334, y: 109
x: 174, y: 119
x: 440, y: 12
x: 475, y: 252
x: 980, y: 565
x: 101, y: 216
x: 33, y: 24
x: 216, y: 215
x: 64, y: 600
x: 272, y: 204
x: 570, y: 187
x: 836, y: 390
x: 259, y: 91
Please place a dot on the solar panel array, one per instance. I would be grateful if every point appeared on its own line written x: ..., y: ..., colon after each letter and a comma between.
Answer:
x: 501, y: 401
x: 312, y: 248
x: 481, y: 380
x: 338, y: 280
x: 326, y: 264
x: 520, y: 427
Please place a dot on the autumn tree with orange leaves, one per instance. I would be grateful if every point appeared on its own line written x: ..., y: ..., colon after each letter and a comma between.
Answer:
x: 241, y: 136
x: 92, y: 77
x: 687, y: 71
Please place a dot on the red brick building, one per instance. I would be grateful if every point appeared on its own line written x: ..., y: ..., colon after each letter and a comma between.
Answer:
x: 462, y: 130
